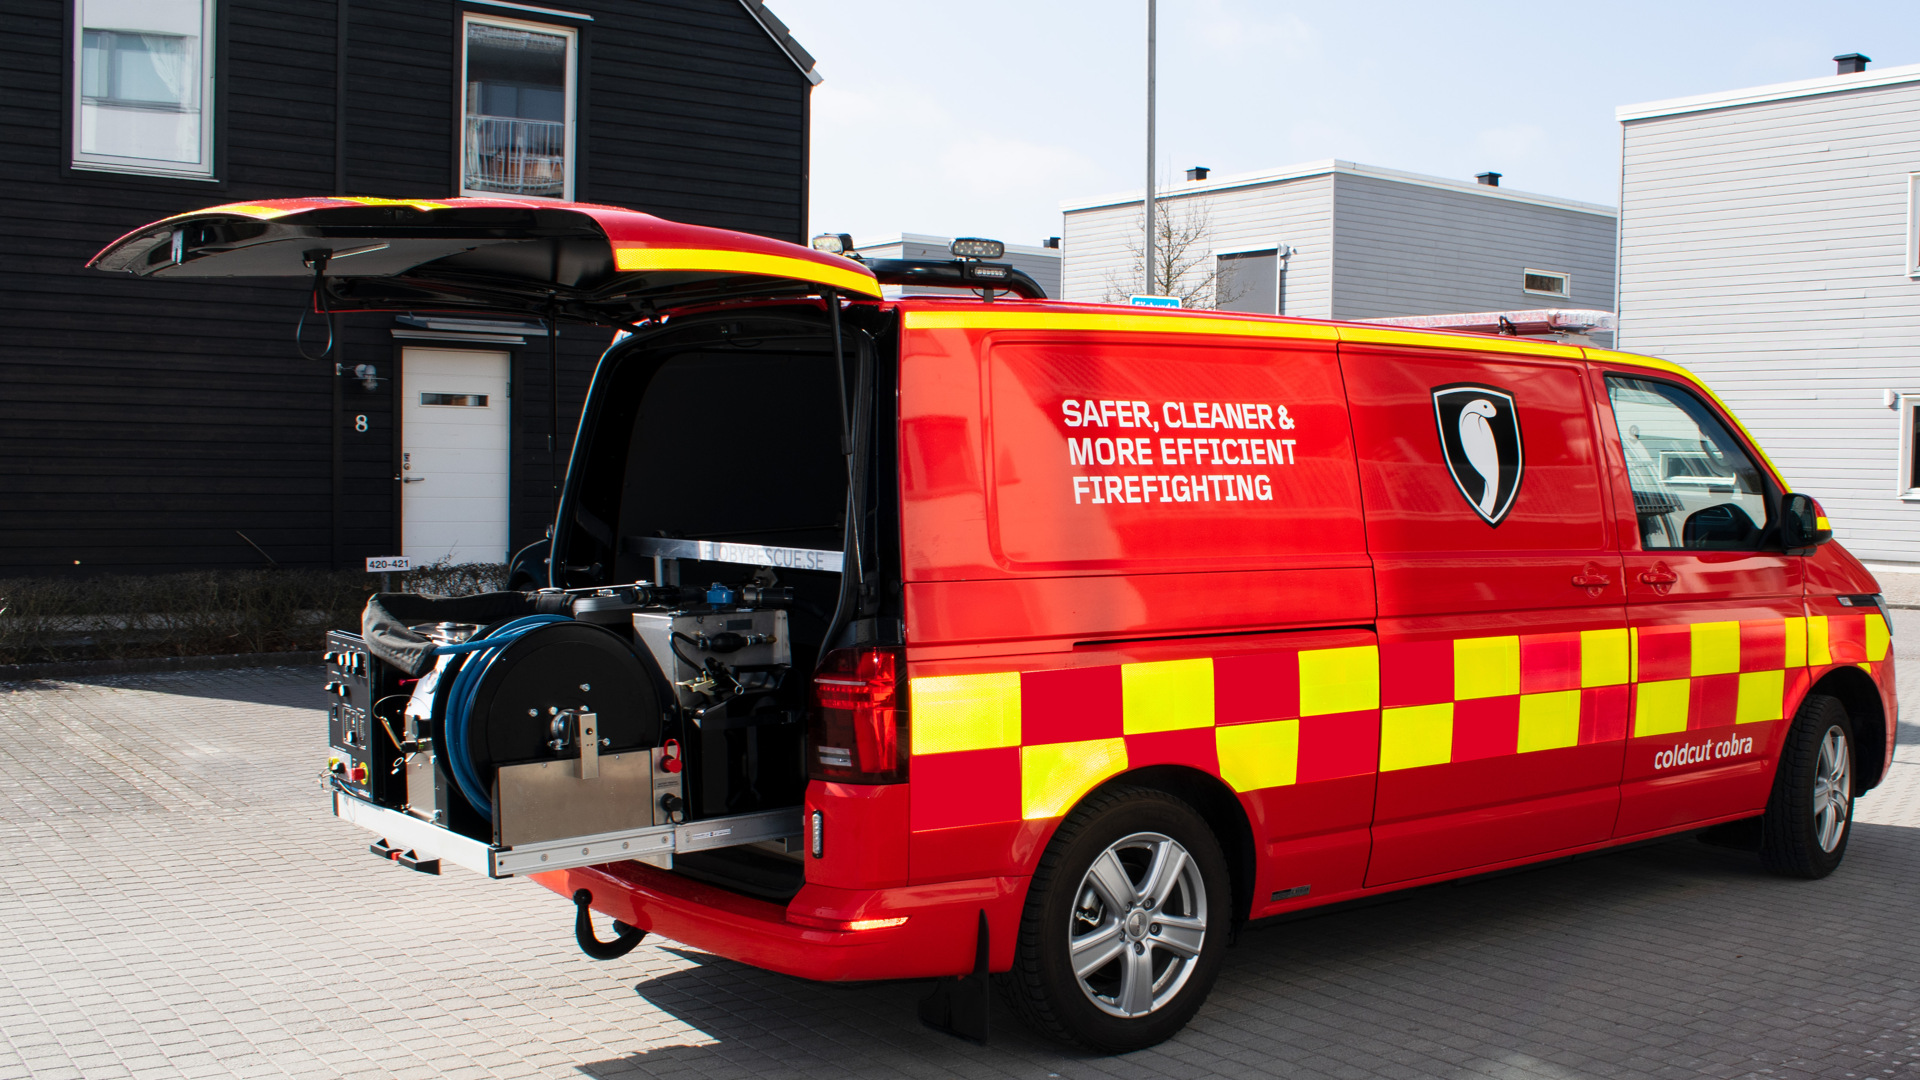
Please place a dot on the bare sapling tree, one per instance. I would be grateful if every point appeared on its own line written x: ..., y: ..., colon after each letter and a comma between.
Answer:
x: 1184, y: 264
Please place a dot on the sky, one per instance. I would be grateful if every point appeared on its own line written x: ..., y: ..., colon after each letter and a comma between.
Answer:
x: 980, y: 118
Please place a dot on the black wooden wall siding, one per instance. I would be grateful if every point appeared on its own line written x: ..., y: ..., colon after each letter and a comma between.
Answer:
x: 144, y: 423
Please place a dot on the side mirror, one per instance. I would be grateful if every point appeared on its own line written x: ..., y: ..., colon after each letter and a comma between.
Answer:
x: 1803, y: 525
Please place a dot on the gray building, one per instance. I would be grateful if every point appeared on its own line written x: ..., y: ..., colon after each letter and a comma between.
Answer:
x: 1042, y: 264
x: 1768, y: 242
x: 1337, y: 240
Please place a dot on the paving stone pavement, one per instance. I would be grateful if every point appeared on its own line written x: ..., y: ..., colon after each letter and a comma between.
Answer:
x: 180, y: 904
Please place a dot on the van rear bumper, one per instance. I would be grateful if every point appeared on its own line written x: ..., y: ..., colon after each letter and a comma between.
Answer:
x: 937, y: 938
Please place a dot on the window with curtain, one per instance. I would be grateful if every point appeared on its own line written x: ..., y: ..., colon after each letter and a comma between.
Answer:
x: 143, y: 86
x: 517, y: 131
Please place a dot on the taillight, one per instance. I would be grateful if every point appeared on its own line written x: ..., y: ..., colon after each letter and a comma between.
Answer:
x: 857, y: 729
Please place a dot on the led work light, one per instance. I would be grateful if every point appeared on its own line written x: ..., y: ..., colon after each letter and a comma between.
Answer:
x: 973, y: 247
x: 833, y: 243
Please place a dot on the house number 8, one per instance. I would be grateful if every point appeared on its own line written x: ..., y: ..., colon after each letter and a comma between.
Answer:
x: 360, y: 422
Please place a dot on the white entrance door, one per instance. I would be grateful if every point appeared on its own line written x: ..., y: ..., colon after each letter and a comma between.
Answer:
x: 453, y: 458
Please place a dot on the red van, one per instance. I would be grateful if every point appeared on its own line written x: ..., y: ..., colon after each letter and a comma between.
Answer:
x: 985, y: 636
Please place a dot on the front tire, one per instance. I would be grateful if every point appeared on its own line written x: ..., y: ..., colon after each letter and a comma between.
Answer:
x: 1810, y: 814
x: 1126, y: 921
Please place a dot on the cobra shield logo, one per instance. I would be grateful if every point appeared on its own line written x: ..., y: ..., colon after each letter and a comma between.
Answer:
x: 1480, y: 434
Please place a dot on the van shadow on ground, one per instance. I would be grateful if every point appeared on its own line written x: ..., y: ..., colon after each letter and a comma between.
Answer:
x: 1671, y: 959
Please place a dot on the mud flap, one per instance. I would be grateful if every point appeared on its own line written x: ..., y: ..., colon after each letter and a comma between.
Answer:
x: 958, y: 1004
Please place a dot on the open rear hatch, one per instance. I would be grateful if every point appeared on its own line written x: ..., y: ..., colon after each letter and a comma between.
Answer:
x: 578, y: 262
x: 654, y: 708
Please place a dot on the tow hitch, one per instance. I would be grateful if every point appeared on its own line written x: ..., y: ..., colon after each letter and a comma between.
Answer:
x: 624, y: 937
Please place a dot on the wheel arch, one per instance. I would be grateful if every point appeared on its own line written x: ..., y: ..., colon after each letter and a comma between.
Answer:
x: 1860, y: 696
x: 1217, y: 804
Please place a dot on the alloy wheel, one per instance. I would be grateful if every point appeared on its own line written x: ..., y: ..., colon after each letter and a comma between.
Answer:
x: 1832, y: 790
x: 1137, y: 927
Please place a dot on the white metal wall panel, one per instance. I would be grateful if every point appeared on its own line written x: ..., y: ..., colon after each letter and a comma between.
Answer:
x: 1097, y: 240
x: 1764, y: 246
x: 1406, y: 249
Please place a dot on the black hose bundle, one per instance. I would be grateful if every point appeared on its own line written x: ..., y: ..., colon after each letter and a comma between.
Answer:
x: 386, y: 624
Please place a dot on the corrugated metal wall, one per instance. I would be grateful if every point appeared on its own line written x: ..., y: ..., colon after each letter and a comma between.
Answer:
x: 1102, y: 243
x: 1764, y: 246
x: 1367, y: 245
x: 1408, y: 249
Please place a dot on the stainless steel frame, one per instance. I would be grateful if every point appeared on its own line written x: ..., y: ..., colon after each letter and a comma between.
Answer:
x: 780, y: 558
x: 404, y: 831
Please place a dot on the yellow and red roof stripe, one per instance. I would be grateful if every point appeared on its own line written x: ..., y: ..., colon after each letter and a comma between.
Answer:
x: 632, y: 257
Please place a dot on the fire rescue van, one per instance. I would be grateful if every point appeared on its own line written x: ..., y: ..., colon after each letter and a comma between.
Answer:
x: 982, y: 638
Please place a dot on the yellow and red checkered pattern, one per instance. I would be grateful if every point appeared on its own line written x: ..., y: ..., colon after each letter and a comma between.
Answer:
x: 1457, y: 699
x: 1009, y: 746
x: 1006, y: 746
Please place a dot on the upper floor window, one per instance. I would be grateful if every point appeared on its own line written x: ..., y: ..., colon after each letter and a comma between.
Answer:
x: 517, y: 126
x: 143, y: 86
x: 1545, y: 283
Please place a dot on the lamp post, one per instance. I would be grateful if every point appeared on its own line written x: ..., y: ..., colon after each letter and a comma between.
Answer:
x: 1150, y: 290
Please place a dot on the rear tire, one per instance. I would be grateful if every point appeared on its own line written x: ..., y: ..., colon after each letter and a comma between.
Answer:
x: 1133, y: 893
x: 1804, y: 831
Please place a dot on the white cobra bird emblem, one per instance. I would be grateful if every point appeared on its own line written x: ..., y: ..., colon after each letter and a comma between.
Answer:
x: 1476, y: 438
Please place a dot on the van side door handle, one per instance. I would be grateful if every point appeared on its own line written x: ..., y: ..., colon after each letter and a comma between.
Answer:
x: 1659, y: 577
x: 1592, y: 578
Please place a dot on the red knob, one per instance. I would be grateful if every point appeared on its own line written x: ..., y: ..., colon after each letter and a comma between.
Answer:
x: 357, y: 774
x: 670, y: 764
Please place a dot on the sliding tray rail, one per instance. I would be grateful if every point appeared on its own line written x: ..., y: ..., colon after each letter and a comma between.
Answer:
x: 405, y: 832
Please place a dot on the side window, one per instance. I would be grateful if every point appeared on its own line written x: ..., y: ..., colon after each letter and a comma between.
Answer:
x: 143, y: 86
x: 1694, y: 488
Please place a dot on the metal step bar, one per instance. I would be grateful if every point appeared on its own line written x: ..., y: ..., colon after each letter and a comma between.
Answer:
x: 406, y: 832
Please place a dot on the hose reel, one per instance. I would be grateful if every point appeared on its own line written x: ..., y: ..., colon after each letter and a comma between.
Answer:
x: 518, y: 687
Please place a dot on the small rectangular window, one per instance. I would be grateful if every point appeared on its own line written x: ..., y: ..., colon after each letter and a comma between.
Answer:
x: 468, y: 401
x: 1913, y: 225
x: 1545, y: 283
x: 1907, y: 483
x: 517, y: 133
x: 143, y: 86
x: 1247, y: 281
x: 1913, y: 450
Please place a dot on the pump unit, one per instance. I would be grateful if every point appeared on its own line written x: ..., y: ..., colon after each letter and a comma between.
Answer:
x: 569, y: 727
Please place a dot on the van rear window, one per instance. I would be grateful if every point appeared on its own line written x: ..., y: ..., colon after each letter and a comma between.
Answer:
x: 1174, y: 455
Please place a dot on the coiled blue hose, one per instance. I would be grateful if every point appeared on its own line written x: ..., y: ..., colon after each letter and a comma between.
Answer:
x: 460, y: 700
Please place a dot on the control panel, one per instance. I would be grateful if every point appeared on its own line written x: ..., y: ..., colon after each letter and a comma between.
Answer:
x: 364, y: 703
